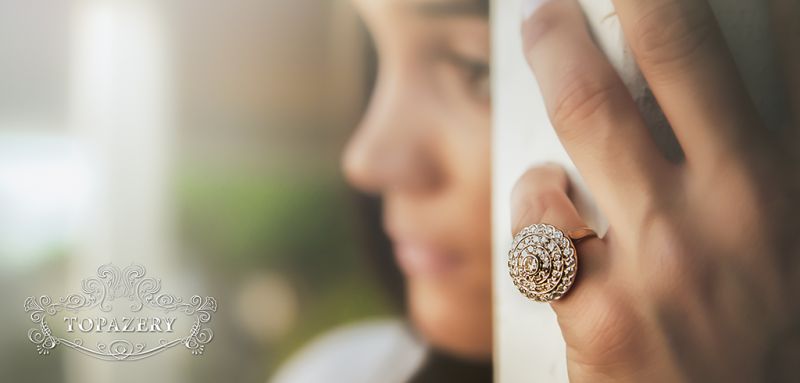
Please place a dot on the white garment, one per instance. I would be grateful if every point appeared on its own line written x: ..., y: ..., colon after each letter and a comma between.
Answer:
x: 366, y: 352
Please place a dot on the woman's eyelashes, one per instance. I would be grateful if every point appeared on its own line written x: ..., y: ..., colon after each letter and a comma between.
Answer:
x: 475, y: 73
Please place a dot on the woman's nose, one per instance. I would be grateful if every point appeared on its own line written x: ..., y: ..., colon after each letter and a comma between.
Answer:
x: 394, y: 147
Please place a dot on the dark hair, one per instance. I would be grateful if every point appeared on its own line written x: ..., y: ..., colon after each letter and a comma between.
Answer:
x: 442, y: 367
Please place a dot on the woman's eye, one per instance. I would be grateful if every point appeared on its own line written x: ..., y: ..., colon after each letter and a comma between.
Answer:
x: 475, y: 73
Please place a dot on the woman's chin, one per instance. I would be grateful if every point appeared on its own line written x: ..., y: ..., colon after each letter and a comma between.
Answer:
x: 459, y: 327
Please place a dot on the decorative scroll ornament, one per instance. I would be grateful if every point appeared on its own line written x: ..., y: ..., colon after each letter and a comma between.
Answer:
x: 99, y: 291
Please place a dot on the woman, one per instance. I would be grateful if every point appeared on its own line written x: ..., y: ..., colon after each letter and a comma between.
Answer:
x: 698, y: 277
x: 424, y: 148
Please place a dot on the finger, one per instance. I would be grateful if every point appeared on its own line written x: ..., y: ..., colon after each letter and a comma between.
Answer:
x: 786, y: 22
x: 685, y: 60
x: 540, y: 195
x: 593, y: 113
x: 597, y: 314
x: 537, y: 189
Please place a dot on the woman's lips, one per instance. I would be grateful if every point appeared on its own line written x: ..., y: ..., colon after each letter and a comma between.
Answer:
x: 416, y: 259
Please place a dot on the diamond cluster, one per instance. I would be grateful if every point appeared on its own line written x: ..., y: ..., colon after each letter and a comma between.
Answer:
x: 542, y: 262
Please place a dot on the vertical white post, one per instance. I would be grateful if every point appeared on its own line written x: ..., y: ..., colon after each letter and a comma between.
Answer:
x: 121, y: 109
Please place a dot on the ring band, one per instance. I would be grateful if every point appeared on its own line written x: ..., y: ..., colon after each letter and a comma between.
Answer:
x: 580, y: 233
x: 543, y: 260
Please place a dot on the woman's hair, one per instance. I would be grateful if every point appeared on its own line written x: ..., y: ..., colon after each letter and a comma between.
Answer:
x: 442, y: 367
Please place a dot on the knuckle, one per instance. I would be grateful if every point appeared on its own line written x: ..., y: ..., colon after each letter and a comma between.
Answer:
x: 671, y: 33
x: 612, y: 335
x: 548, y: 198
x: 539, y: 179
x: 675, y: 268
x: 522, y: 188
x: 579, y: 100
x: 544, y: 22
x: 535, y: 193
x: 537, y: 203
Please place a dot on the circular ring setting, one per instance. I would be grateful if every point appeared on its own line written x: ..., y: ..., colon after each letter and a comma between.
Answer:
x: 543, y: 261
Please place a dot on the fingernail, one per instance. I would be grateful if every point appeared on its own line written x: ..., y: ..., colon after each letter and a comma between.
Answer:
x: 529, y: 7
x: 552, y: 164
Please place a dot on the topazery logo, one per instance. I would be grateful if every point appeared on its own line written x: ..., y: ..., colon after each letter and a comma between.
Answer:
x: 146, y: 316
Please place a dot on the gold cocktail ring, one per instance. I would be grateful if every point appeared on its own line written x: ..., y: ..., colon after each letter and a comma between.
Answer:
x: 543, y: 261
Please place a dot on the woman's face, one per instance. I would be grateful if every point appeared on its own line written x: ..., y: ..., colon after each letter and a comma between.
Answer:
x: 424, y: 147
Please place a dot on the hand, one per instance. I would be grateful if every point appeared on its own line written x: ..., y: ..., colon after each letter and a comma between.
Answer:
x: 698, y: 278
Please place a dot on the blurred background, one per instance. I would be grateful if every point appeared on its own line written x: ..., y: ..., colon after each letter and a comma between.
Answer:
x: 200, y: 139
